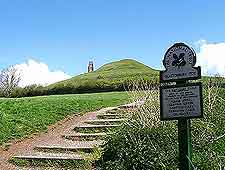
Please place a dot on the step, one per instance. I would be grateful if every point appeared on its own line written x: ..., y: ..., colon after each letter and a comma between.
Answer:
x: 60, y: 149
x: 60, y: 160
x: 111, y: 116
x: 52, y: 167
x: 45, y: 168
x: 104, y: 121
x: 83, y: 136
x: 132, y: 105
x: 36, y: 168
x: 71, y: 144
x: 107, y: 109
x: 111, y: 112
x: 50, y: 156
x: 94, y: 128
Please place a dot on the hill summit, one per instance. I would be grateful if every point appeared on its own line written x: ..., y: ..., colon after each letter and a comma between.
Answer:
x: 125, y: 65
x: 110, y: 77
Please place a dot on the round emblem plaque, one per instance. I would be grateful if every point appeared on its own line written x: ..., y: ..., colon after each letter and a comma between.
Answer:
x: 179, y: 56
x: 179, y: 62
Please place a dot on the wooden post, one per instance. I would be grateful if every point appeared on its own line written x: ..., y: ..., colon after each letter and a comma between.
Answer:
x: 184, y: 139
x: 185, y: 148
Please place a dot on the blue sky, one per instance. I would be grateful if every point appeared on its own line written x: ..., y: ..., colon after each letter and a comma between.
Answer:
x: 66, y: 34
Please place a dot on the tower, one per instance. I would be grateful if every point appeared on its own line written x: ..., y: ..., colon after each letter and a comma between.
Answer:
x: 90, y: 66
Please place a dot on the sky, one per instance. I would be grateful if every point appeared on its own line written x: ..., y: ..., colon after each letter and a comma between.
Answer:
x: 52, y: 40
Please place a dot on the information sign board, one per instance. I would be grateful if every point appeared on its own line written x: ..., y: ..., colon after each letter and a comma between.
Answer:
x: 181, y: 101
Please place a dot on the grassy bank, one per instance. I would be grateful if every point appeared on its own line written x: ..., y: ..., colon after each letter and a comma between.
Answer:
x: 24, y: 116
x: 145, y: 142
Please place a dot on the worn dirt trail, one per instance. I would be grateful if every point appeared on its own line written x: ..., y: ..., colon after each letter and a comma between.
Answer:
x: 52, y: 136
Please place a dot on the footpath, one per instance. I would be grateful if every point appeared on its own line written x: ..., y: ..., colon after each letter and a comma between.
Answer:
x: 73, y: 143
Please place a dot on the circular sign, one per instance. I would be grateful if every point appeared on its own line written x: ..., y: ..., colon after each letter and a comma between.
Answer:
x: 179, y: 56
x: 179, y: 62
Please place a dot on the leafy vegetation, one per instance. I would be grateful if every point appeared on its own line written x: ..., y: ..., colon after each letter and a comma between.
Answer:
x: 24, y: 116
x: 145, y: 142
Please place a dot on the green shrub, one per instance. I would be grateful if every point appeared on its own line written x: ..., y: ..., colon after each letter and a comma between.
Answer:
x: 28, y: 91
x: 145, y: 142
x: 140, y: 148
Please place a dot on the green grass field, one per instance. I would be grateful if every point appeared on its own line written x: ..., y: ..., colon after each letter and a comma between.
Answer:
x: 25, y: 116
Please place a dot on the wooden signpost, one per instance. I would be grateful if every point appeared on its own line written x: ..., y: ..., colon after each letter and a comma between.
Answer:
x: 182, y: 101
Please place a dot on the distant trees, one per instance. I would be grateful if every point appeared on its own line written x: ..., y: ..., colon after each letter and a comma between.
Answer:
x: 9, y: 80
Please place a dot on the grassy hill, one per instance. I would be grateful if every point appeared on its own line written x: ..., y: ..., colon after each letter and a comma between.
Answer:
x: 110, y: 77
x: 115, y: 76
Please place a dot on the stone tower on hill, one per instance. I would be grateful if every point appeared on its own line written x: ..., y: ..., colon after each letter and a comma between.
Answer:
x: 90, y: 66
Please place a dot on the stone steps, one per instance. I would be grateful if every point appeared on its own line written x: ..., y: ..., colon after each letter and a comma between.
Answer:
x: 96, y: 126
x: 46, y: 168
x: 132, y: 105
x: 50, y: 156
x: 60, y: 149
x: 104, y: 121
x: 111, y: 116
x: 55, y: 160
x: 104, y: 110
x: 76, y: 145
x: 83, y: 136
x: 89, y: 126
x: 66, y: 145
x: 53, y: 168
x: 65, y: 151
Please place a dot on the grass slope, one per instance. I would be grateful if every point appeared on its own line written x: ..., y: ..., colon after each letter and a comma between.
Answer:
x: 120, y: 69
x: 109, y: 77
x: 24, y: 116
x: 145, y: 142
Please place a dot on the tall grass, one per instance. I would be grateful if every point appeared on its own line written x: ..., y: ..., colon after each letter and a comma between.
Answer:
x: 145, y: 142
x: 208, y: 133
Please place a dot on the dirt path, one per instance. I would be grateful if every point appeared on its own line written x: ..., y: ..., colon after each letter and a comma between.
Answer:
x: 52, y: 136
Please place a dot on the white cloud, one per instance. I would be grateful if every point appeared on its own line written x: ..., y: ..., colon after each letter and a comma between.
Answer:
x: 211, y: 58
x: 34, y: 72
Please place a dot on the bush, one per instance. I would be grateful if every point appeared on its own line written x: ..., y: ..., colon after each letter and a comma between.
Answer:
x: 144, y: 142
x: 28, y: 91
x: 140, y: 148
x: 84, y: 86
